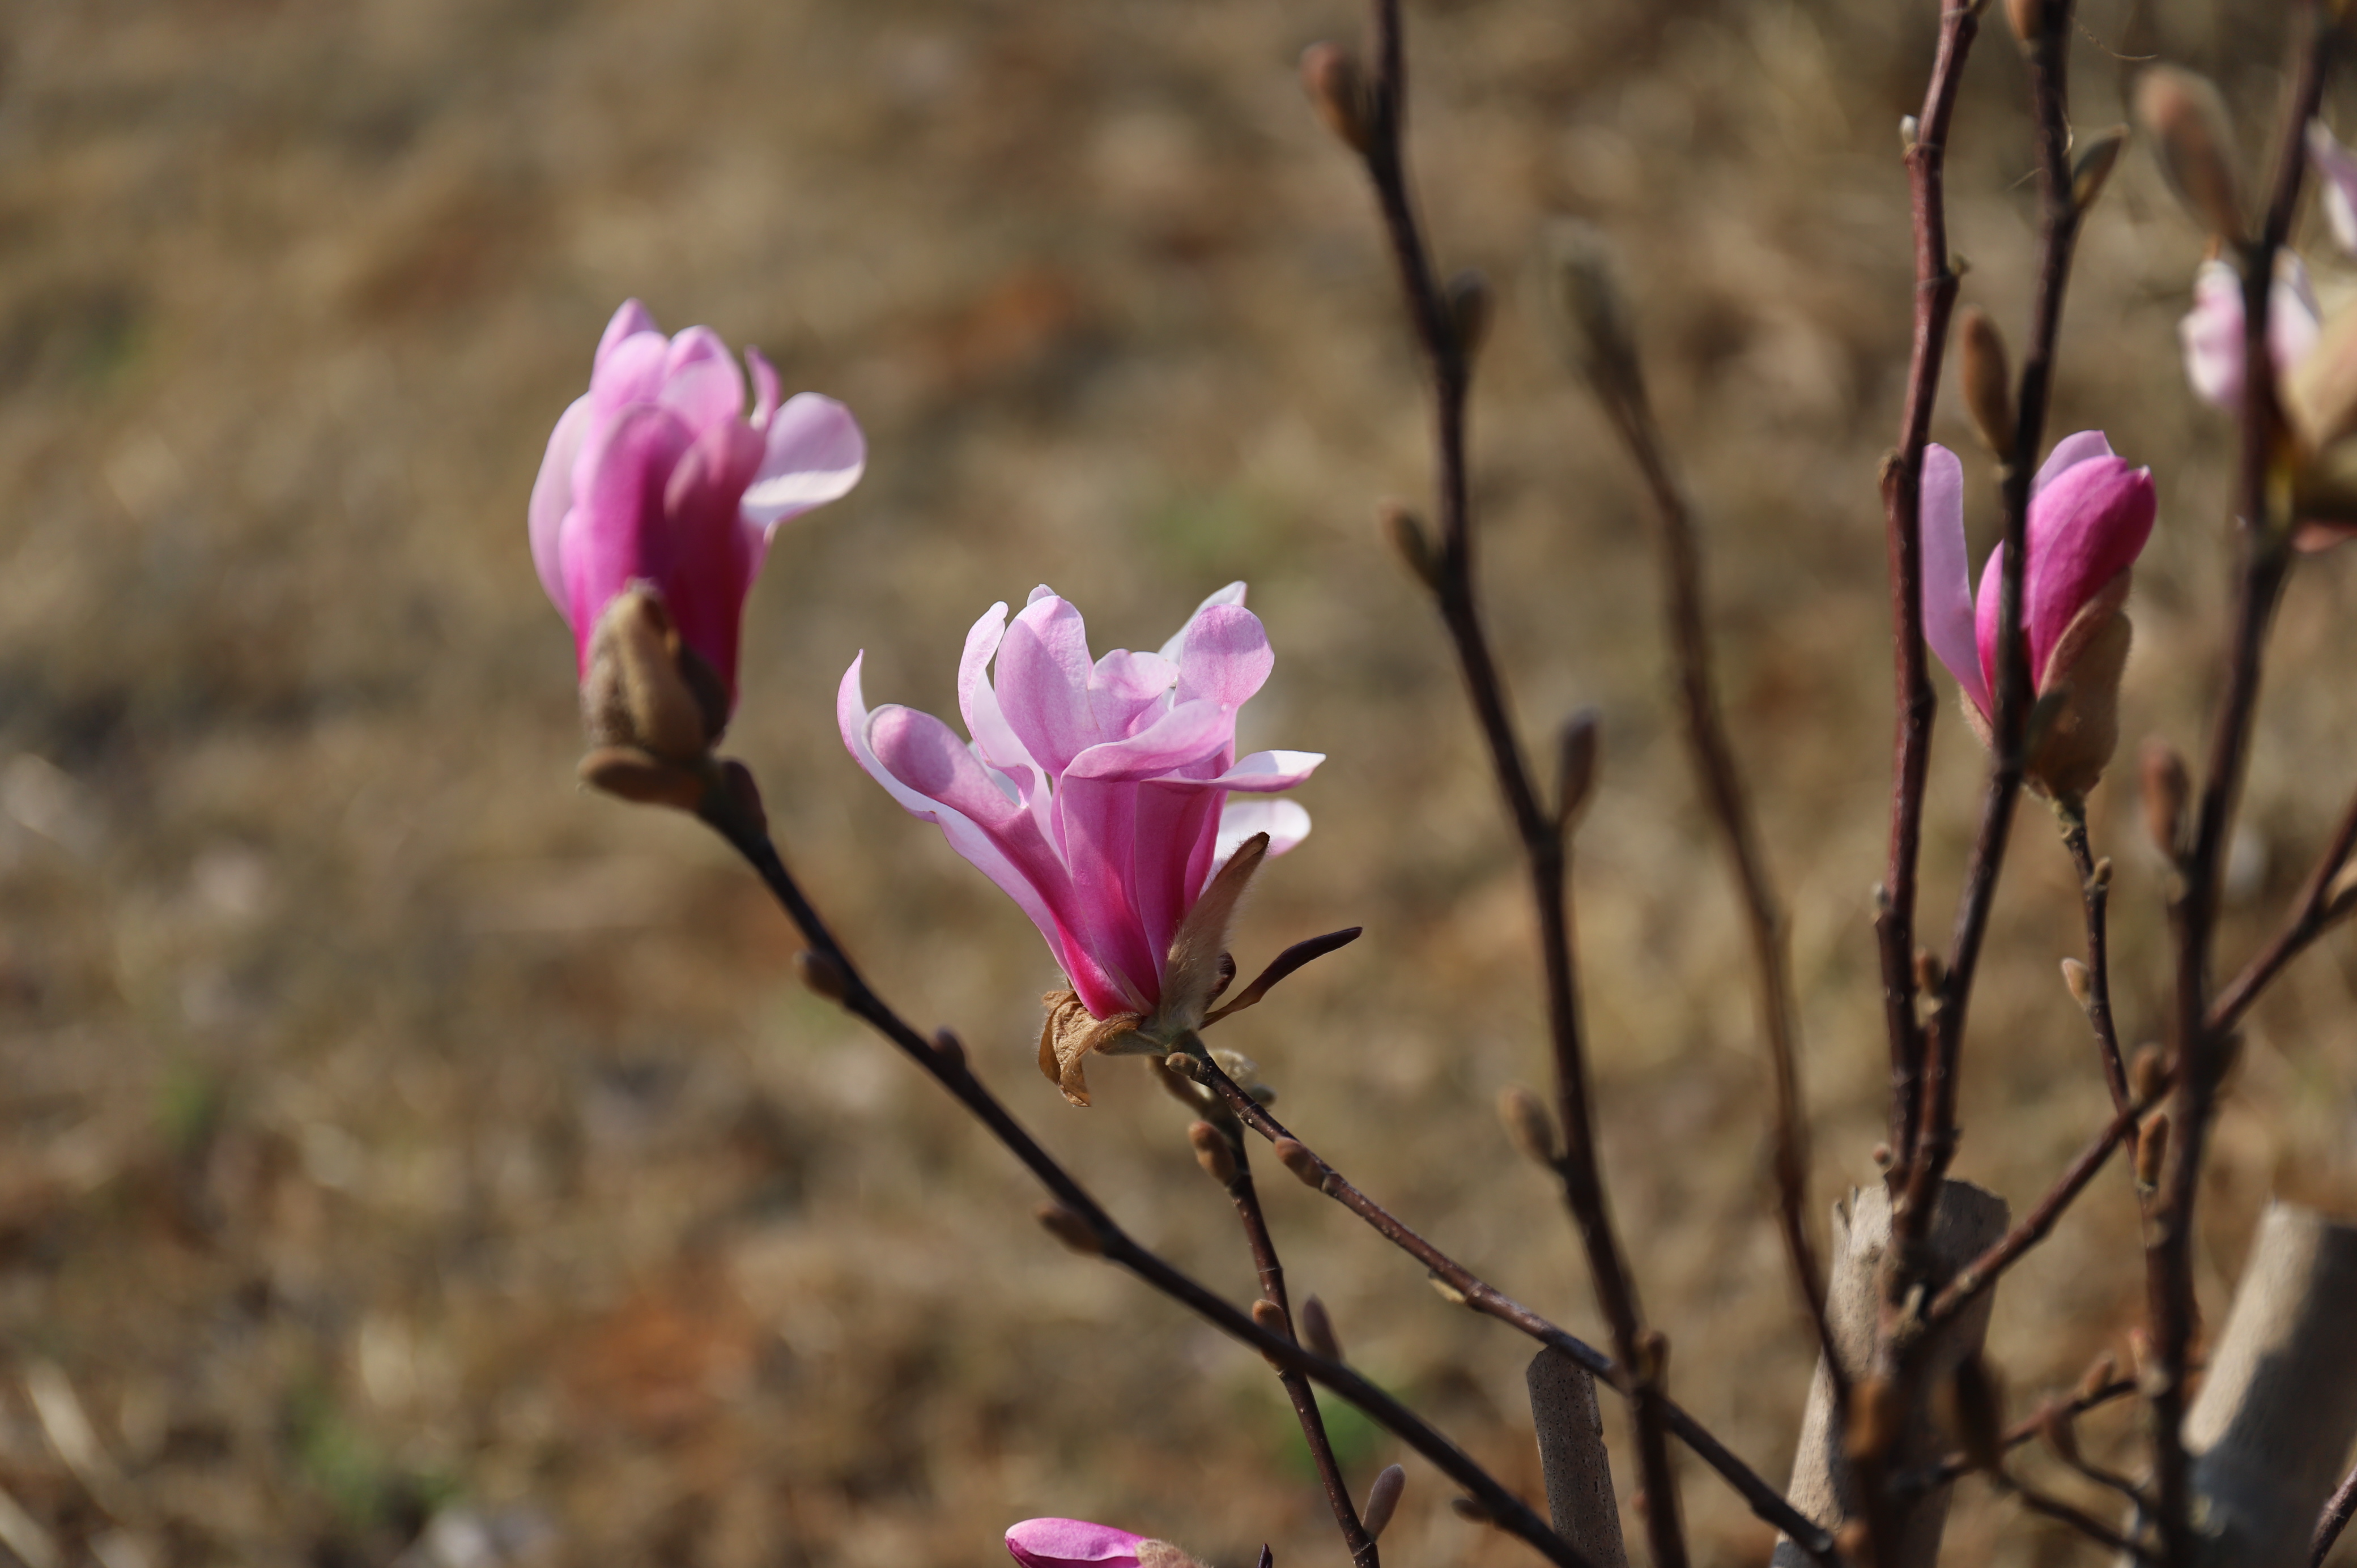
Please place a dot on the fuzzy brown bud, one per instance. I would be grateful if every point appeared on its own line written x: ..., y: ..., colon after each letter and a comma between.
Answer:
x: 2186, y: 119
x: 2028, y: 19
x: 1071, y: 1229
x: 1445, y: 1291
x: 2082, y: 983
x: 1988, y: 385
x: 1528, y: 1126
x: 2166, y: 787
x: 821, y: 975
x: 1468, y: 1510
x: 1403, y: 531
x: 2098, y: 1376
x: 2094, y: 168
x: 1591, y: 310
x: 2152, y: 1149
x: 1318, y: 1330
x: 2148, y: 1073
x: 1575, y: 780
x: 1269, y: 1318
x: 950, y: 1048
x: 1470, y: 303
x: 1213, y: 1151
x: 1382, y: 1500
x: 646, y: 689
x: 1337, y: 89
x: 1307, y: 1168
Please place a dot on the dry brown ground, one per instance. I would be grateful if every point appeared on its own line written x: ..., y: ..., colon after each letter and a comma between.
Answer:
x: 391, y: 1129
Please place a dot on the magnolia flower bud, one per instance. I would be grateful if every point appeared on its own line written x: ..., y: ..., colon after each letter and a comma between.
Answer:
x: 1590, y: 309
x: 1318, y: 1330
x: 1988, y: 387
x: 1071, y: 1229
x: 1576, y: 751
x: 1307, y: 1168
x: 646, y: 689
x: 1468, y: 1510
x: 2093, y: 169
x: 1382, y: 1500
x: 2098, y: 1376
x: 2152, y: 1150
x: 2186, y: 119
x: 2148, y: 1073
x: 1528, y: 1125
x: 821, y: 975
x: 2080, y: 983
x: 1404, y: 531
x: 1213, y: 1151
x: 1331, y: 76
x: 2166, y: 787
x: 1468, y: 294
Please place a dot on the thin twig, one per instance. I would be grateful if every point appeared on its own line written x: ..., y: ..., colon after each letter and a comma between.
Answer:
x: 1902, y: 481
x: 1977, y: 1277
x: 2202, y: 1053
x: 1628, y: 407
x: 2094, y: 898
x: 1542, y: 841
x: 1957, y: 1464
x: 2058, y: 233
x: 730, y: 817
x: 1462, y: 1285
x: 1246, y: 1198
x: 2054, y: 1508
x: 2311, y: 916
x: 2333, y: 1520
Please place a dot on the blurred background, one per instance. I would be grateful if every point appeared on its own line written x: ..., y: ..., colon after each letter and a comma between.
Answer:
x: 407, y: 1153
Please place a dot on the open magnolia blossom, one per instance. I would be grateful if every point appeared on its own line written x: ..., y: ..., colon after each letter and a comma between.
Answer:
x: 652, y: 514
x: 1077, y: 1543
x: 1098, y: 794
x: 2315, y: 358
x: 2090, y: 515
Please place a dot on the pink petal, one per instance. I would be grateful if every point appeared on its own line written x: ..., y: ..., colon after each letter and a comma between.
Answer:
x: 1071, y: 1543
x: 1265, y: 771
x: 1043, y: 682
x: 616, y: 530
x: 1947, y: 572
x: 2294, y: 322
x: 1284, y: 822
x: 1985, y: 615
x: 551, y: 496
x: 1184, y: 735
x: 627, y: 322
x: 996, y: 742
x: 704, y: 570
x: 2337, y: 168
x: 2084, y: 529
x: 2212, y: 332
x: 1224, y: 657
x: 1129, y: 690
x: 764, y: 387
x: 1234, y: 594
x: 1113, y: 861
x: 2068, y: 453
x: 815, y: 454
x: 701, y: 382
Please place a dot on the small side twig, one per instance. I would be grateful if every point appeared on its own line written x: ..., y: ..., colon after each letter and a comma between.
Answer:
x: 2094, y: 898
x: 1246, y: 1198
x: 2054, y: 1508
x: 2313, y: 913
x: 2333, y: 1520
x: 1956, y: 1465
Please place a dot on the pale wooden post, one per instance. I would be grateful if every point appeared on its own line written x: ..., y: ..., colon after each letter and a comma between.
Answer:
x: 1968, y: 1221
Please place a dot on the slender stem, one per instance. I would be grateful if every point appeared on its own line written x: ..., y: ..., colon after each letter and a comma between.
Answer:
x: 2203, y: 1053
x: 2312, y: 916
x: 1543, y: 846
x: 2334, y: 1519
x: 2059, y: 216
x: 1957, y: 1464
x: 1902, y: 481
x: 727, y: 814
x: 1721, y: 776
x: 1246, y: 1198
x: 1976, y: 1278
x: 2094, y: 898
x: 1766, y: 1503
x: 2084, y: 1523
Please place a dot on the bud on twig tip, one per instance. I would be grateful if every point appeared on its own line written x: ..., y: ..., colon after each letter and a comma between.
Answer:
x: 1468, y: 299
x: 2094, y: 168
x: 1071, y: 1229
x: 2161, y: 772
x: 1330, y: 75
x: 2186, y: 119
x: 2147, y: 1068
x: 1403, y: 531
x: 1988, y: 384
x: 1382, y: 1500
x: 1213, y: 1151
x: 2082, y: 983
x: 1318, y: 1330
x: 821, y: 973
x: 1576, y: 751
x: 950, y: 1048
x: 2152, y: 1149
x: 1468, y: 1510
x: 1528, y: 1126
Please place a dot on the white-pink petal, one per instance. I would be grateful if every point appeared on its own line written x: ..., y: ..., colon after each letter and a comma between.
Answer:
x: 1176, y: 649
x: 2338, y: 166
x: 815, y: 454
x: 2068, y: 453
x: 1947, y: 572
x: 1267, y: 771
x: 630, y: 320
x: 1283, y: 822
x: 551, y: 497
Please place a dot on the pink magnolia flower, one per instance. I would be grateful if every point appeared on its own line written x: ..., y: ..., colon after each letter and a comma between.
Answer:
x: 1095, y: 792
x: 655, y: 476
x: 2212, y: 332
x: 1072, y: 1543
x: 2090, y: 515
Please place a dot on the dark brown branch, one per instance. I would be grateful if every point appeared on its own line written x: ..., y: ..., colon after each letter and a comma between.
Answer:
x: 724, y: 811
x: 1957, y: 1464
x: 2333, y: 1521
x: 1627, y: 404
x: 2059, y: 218
x: 2312, y: 915
x: 1766, y: 1503
x: 1246, y: 1198
x: 2202, y: 1053
x: 1446, y: 352
x: 1982, y: 1271
x: 2094, y: 898
x: 1902, y: 480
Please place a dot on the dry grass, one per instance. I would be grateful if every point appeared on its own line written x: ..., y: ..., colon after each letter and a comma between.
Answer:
x: 391, y: 1129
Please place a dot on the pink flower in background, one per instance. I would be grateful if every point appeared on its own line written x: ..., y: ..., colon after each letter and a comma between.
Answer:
x: 1095, y: 792
x: 2090, y: 515
x: 2212, y: 332
x: 1072, y: 1543
x: 656, y: 476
